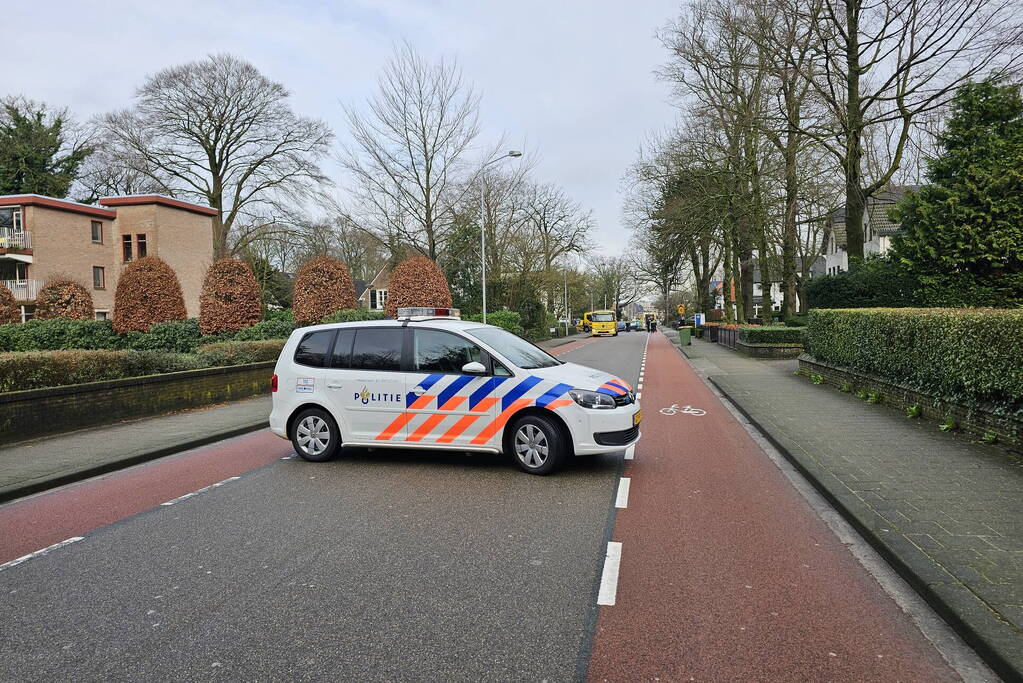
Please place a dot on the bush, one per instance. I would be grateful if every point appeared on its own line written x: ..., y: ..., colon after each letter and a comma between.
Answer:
x: 280, y: 314
x: 59, y: 333
x: 506, y: 320
x: 796, y: 321
x: 872, y: 283
x: 64, y: 298
x: 351, y: 315
x: 417, y: 282
x: 40, y: 369
x: 148, y: 292
x: 268, y: 329
x: 322, y: 285
x: 10, y: 312
x: 181, y: 336
x: 230, y: 297
x: 239, y: 353
x: 968, y: 356
x: 755, y: 334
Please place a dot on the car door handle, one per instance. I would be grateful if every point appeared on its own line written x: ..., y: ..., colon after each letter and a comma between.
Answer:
x: 419, y: 391
x: 333, y: 386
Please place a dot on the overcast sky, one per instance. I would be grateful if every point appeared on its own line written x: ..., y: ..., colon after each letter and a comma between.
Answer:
x: 571, y: 79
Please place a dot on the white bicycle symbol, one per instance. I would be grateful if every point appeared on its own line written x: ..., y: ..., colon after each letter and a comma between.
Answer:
x: 675, y: 409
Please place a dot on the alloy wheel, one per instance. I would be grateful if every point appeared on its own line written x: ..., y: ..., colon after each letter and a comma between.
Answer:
x: 313, y: 435
x: 531, y: 446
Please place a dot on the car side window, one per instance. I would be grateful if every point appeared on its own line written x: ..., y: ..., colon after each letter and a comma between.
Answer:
x: 377, y: 348
x: 314, y: 349
x: 500, y: 370
x: 436, y: 351
x: 343, y: 349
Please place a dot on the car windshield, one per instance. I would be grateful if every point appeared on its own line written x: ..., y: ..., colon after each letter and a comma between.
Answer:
x: 516, y: 349
x: 602, y: 317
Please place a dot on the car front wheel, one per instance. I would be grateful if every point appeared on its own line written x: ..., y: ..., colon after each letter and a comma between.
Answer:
x: 315, y: 435
x: 537, y: 444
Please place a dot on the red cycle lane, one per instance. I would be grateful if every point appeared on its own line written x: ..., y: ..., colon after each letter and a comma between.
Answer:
x: 726, y: 571
x: 34, y: 523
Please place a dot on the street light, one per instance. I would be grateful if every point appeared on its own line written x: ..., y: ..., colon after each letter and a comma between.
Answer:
x: 483, y: 226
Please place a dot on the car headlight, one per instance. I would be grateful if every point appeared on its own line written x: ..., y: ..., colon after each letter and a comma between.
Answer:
x: 592, y: 399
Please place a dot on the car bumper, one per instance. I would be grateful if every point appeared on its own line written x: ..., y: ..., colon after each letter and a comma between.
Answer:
x: 589, y: 427
x: 279, y: 423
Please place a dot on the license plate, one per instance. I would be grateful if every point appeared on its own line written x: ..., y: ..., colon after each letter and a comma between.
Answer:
x: 637, y: 417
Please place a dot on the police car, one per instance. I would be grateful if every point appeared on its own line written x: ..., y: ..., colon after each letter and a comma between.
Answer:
x: 430, y: 380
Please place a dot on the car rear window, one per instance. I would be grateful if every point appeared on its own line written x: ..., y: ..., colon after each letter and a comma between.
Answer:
x: 314, y: 349
x: 377, y: 348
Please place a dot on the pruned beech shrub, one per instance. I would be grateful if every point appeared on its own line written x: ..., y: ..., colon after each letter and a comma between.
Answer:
x: 148, y: 292
x: 64, y: 298
x: 323, y: 285
x: 230, y: 297
x: 417, y: 282
x: 10, y: 312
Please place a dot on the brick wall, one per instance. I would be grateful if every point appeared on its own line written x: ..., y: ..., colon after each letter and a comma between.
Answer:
x: 37, y: 412
x: 974, y: 422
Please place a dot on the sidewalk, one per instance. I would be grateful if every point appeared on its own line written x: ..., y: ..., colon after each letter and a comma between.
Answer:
x: 31, y: 466
x: 947, y: 513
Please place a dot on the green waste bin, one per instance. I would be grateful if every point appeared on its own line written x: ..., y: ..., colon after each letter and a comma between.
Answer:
x: 685, y: 336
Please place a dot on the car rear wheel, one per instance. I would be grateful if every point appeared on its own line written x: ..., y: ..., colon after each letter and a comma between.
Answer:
x: 315, y: 435
x: 536, y: 444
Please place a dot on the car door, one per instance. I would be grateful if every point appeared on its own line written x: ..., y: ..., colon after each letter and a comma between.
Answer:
x: 366, y: 383
x: 450, y: 407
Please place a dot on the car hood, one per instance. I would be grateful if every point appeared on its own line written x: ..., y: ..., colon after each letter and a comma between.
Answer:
x: 579, y: 376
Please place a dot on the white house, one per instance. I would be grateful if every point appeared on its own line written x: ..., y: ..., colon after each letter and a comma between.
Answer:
x: 878, y: 229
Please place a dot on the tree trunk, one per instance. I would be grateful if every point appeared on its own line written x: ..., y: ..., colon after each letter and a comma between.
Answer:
x: 790, y: 232
x: 854, y: 200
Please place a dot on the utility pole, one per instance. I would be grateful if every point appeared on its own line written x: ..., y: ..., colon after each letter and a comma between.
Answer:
x: 568, y: 310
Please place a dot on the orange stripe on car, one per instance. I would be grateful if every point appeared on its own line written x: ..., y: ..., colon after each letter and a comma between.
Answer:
x: 484, y: 405
x: 458, y: 428
x: 453, y: 402
x: 554, y: 405
x: 395, y: 426
x: 501, y: 420
x: 427, y: 427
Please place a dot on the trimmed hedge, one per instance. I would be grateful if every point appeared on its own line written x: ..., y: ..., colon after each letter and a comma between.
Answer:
x: 352, y: 315
x: 230, y: 298
x: 758, y: 334
x: 64, y: 298
x: 148, y: 292
x: 417, y: 282
x: 323, y: 284
x: 41, y: 369
x: 507, y: 320
x: 973, y: 357
x: 10, y: 312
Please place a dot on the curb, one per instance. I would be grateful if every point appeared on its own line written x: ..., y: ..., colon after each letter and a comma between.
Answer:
x: 21, y: 490
x: 950, y: 607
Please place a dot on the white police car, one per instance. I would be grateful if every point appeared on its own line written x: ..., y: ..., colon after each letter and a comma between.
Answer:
x: 430, y: 380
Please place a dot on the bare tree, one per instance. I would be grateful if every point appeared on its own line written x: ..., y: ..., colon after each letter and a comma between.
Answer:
x: 412, y: 151
x: 220, y: 132
x: 892, y: 61
x: 558, y: 226
x: 614, y: 278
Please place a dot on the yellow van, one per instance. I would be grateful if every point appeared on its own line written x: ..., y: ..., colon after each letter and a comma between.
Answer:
x: 602, y: 323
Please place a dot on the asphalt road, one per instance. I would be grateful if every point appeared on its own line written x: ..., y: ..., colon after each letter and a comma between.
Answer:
x: 382, y: 565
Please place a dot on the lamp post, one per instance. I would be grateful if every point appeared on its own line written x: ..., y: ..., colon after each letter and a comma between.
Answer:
x: 483, y: 227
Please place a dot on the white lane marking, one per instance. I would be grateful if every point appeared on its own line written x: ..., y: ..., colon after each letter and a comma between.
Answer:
x: 609, y: 578
x: 195, y: 493
x: 622, y: 501
x: 639, y: 395
x: 639, y: 387
x: 39, y: 553
x: 630, y: 452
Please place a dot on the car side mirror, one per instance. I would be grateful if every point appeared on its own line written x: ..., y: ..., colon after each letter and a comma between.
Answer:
x: 474, y: 368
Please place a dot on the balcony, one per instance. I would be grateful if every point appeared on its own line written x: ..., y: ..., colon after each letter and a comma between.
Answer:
x: 23, y: 290
x: 15, y: 241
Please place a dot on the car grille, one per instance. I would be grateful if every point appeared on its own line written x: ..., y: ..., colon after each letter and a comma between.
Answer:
x: 625, y: 399
x: 617, y: 438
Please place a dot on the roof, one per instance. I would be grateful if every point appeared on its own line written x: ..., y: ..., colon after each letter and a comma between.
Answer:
x: 57, y: 204
x: 360, y: 288
x: 162, y: 200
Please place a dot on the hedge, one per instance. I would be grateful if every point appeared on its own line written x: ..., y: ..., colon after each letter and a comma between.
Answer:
x: 64, y: 298
x: 973, y: 357
x: 322, y: 284
x: 759, y: 334
x: 230, y: 299
x: 417, y: 281
x: 10, y: 311
x: 41, y: 369
x: 507, y: 320
x: 147, y: 292
x: 351, y: 315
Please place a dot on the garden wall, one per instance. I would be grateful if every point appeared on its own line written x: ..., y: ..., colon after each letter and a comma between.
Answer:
x: 38, y: 412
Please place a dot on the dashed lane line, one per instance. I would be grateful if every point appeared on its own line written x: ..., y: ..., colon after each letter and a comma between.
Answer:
x: 40, y: 553
x: 195, y: 493
x: 622, y: 500
x: 630, y: 452
x: 609, y: 578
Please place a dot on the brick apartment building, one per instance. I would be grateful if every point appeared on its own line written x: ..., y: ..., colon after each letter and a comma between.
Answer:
x: 41, y: 237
